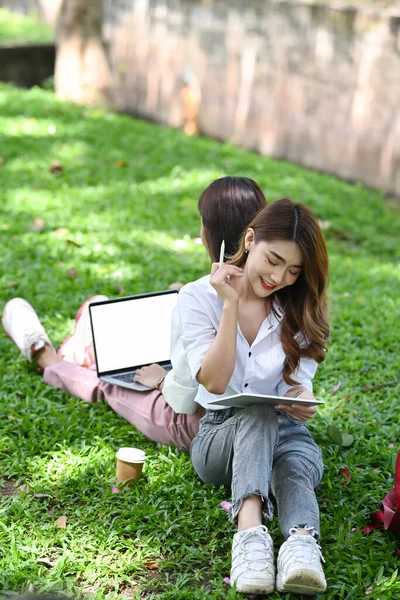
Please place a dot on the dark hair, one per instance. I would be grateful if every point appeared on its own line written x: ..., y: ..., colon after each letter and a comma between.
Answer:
x: 226, y: 207
x: 305, y: 327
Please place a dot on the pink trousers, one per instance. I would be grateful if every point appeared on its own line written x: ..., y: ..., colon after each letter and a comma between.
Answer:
x: 147, y: 411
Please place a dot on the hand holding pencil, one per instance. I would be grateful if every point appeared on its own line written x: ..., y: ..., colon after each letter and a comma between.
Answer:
x: 220, y: 277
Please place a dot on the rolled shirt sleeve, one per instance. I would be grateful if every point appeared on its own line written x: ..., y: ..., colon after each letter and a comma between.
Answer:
x: 304, y: 375
x: 181, y: 398
x: 197, y: 330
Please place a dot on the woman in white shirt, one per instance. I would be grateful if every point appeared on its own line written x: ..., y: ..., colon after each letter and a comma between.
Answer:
x: 259, y: 325
x: 225, y: 207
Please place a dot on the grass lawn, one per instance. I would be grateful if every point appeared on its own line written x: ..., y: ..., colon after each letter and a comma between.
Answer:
x: 22, y: 29
x: 92, y: 202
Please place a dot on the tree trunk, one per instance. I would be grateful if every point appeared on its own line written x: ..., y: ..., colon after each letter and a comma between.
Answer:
x: 82, y: 72
x: 49, y: 10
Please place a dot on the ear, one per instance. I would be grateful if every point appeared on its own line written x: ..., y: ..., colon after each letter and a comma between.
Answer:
x: 249, y: 238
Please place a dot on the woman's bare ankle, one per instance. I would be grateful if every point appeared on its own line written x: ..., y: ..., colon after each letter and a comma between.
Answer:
x: 45, y: 357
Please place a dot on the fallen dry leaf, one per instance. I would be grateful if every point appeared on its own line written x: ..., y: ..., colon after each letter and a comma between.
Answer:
x: 368, y: 591
x: 2, y: 161
x: 121, y: 163
x: 337, y: 387
x: 56, y: 167
x: 345, y: 471
x: 46, y: 562
x: 72, y: 243
x: 72, y: 272
x: 31, y: 589
x: 38, y: 225
x: 62, y: 522
x: 43, y: 496
x: 151, y: 564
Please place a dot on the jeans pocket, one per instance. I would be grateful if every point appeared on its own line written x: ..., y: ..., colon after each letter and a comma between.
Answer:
x: 211, y: 420
x: 294, y: 421
x: 214, y: 417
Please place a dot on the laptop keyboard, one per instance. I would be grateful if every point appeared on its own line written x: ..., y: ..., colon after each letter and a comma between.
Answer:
x: 128, y: 377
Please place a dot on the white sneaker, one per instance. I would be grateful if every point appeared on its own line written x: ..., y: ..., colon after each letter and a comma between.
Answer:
x: 253, y: 561
x: 299, y: 566
x: 21, y: 323
x: 74, y: 347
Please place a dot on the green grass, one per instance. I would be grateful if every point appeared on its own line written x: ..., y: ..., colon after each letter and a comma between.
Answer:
x: 127, y: 193
x: 22, y: 29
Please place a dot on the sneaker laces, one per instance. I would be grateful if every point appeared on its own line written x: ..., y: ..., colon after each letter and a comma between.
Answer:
x: 303, y: 550
x: 255, y: 548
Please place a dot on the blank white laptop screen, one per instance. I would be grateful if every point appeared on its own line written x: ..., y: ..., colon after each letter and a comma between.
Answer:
x: 133, y: 332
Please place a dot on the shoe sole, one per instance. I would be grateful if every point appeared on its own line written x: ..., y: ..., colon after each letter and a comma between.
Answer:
x: 303, y: 583
x: 255, y: 589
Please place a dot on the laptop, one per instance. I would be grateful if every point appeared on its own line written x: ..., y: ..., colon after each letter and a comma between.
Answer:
x: 130, y: 333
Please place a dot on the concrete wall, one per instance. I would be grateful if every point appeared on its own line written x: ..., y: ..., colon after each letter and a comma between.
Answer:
x: 316, y: 85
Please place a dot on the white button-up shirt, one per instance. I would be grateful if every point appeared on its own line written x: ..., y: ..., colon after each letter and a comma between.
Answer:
x: 258, y: 368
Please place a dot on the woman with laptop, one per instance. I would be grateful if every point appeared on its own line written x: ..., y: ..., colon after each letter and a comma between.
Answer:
x: 259, y: 325
x: 225, y: 207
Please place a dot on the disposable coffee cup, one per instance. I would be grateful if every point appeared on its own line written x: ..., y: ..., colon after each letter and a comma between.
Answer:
x: 130, y: 463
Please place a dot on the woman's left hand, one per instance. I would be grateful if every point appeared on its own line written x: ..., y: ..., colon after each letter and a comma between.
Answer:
x: 150, y: 375
x: 296, y: 411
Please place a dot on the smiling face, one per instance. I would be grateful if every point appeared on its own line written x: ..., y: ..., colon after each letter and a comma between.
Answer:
x: 271, y: 266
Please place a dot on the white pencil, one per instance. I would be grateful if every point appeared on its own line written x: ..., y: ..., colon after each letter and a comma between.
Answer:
x: 222, y: 253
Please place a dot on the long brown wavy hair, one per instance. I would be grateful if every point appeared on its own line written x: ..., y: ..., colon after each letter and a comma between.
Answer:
x: 305, y: 326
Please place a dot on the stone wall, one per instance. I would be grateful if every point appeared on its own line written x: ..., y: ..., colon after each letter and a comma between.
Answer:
x: 313, y: 84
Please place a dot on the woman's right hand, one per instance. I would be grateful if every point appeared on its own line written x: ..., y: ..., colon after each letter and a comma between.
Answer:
x: 220, y: 280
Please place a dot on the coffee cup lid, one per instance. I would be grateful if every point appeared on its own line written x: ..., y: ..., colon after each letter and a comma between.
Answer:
x: 132, y: 455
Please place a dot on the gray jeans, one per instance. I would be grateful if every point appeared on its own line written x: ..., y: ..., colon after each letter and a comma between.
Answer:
x: 258, y: 450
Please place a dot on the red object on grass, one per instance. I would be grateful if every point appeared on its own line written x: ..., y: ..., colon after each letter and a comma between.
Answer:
x: 389, y: 517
